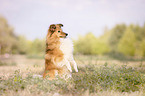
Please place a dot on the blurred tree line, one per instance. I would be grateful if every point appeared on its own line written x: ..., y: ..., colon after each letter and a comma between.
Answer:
x: 128, y: 40
x: 13, y: 44
x: 122, y: 39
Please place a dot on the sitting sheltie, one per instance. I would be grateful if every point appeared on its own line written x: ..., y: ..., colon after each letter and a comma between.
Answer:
x: 59, y: 54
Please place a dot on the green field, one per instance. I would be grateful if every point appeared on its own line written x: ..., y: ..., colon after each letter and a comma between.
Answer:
x: 97, y: 76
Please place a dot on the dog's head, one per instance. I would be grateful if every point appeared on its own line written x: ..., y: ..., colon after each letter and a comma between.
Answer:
x: 56, y: 31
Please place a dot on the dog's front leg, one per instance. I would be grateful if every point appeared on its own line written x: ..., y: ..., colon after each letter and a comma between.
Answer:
x: 74, y: 65
x: 72, y: 61
x: 68, y: 65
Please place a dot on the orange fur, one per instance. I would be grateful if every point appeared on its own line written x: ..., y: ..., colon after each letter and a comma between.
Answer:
x: 53, y: 53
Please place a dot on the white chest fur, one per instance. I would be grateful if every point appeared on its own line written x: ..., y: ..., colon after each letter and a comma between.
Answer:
x: 66, y: 46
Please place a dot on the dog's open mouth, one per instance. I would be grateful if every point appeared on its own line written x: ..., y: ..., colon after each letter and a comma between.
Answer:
x: 62, y: 36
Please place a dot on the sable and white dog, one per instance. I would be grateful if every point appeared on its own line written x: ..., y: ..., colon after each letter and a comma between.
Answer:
x: 59, y: 53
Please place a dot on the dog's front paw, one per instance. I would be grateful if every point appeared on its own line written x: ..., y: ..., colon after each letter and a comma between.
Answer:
x: 76, y: 69
x: 70, y: 69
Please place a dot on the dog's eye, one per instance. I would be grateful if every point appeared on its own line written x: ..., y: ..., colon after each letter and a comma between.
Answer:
x: 58, y: 31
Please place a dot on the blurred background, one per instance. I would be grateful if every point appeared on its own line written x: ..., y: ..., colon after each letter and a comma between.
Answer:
x: 109, y: 47
x: 103, y: 27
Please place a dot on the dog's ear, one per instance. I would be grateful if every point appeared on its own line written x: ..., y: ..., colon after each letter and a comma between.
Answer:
x: 52, y: 28
x: 60, y: 25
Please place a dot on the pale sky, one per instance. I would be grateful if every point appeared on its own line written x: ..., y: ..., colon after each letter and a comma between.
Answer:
x: 32, y: 18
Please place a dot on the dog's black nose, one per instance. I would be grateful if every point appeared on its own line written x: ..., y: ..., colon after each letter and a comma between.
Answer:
x: 66, y: 34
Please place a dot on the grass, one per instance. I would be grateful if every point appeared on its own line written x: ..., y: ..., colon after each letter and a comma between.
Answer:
x: 35, y: 56
x: 7, y: 64
x: 101, y: 78
x: 93, y: 79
